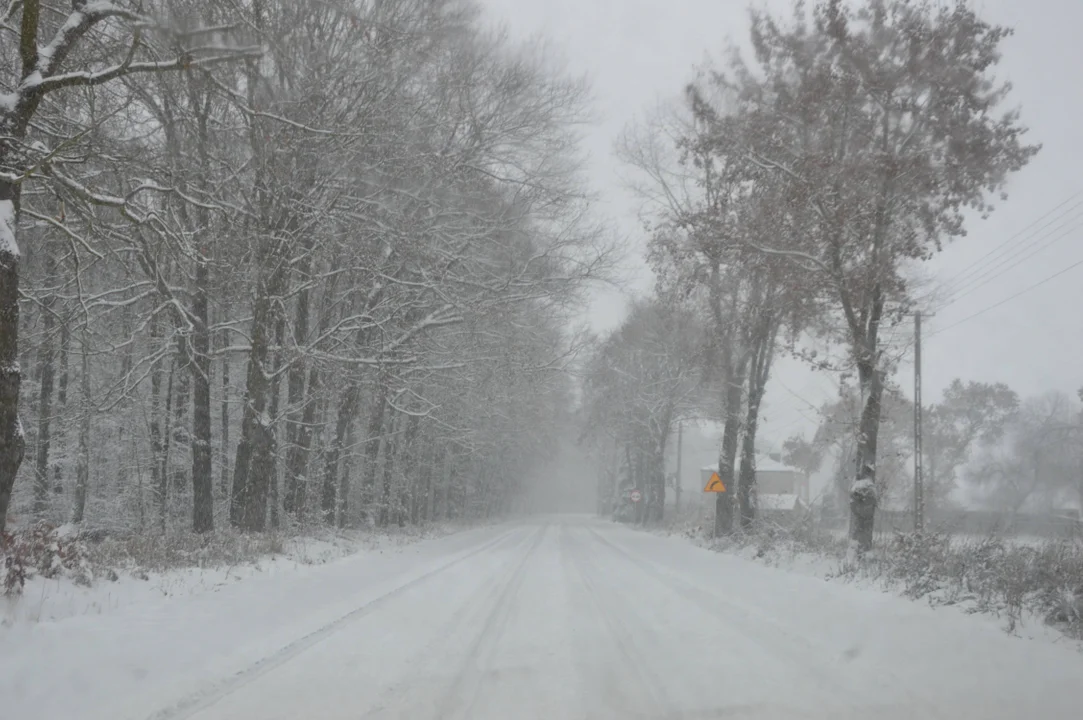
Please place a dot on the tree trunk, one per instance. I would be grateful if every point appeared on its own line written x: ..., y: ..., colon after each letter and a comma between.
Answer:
x: 757, y: 384
x: 202, y: 450
x: 46, y: 373
x: 82, y: 467
x: 343, y: 505
x: 62, y: 402
x: 348, y: 408
x: 295, y: 396
x: 182, y: 403
x: 202, y: 460
x: 276, y: 397
x: 12, y: 439
x: 373, y: 436
x: 863, y: 495
x: 747, y: 480
x: 255, y: 451
x: 657, y: 479
x: 302, y: 400
x: 346, y: 411
x: 430, y: 488
x: 163, y: 466
x: 409, y: 455
x: 296, y: 384
x: 445, y: 483
x: 386, y: 505
x: 223, y: 479
x: 156, y: 424
x: 724, y: 501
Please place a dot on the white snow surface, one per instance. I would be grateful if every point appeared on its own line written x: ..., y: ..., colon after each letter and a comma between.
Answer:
x: 8, y: 243
x: 559, y: 617
x: 777, y: 501
x: 763, y: 464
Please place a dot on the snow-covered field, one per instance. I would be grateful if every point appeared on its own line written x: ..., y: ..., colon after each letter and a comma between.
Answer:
x: 562, y: 617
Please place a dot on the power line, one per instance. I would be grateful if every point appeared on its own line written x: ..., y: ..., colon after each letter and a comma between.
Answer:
x: 996, y: 253
x: 814, y: 408
x: 1012, y: 261
x: 1007, y: 299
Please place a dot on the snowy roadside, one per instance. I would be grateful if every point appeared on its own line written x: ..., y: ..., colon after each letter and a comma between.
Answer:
x: 116, y: 580
x: 129, y: 648
x: 1030, y: 589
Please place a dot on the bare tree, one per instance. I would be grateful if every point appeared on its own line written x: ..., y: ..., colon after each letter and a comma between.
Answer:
x: 865, y: 135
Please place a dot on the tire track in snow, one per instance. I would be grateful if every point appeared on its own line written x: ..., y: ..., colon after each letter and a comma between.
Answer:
x: 793, y: 649
x: 605, y: 676
x: 467, y: 682
x: 201, y: 700
x: 435, y: 653
x: 608, y: 610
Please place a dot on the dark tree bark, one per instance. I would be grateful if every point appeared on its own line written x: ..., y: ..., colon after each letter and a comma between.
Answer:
x: 409, y: 458
x: 724, y: 502
x: 182, y: 403
x: 864, y: 498
x: 344, y: 481
x: 12, y: 439
x: 276, y: 395
x: 46, y: 373
x: 386, y: 502
x: 224, y: 470
x: 863, y: 495
x: 445, y: 485
x: 156, y: 464
x: 373, y: 435
x: 255, y: 451
x: 202, y: 449
x: 430, y: 487
x: 295, y: 388
x: 82, y: 465
x: 202, y: 460
x: 347, y: 409
x: 305, y: 395
x: 763, y: 354
x: 62, y: 401
x: 163, y: 461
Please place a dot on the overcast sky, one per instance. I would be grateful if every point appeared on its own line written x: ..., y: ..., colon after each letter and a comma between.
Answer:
x: 638, y: 53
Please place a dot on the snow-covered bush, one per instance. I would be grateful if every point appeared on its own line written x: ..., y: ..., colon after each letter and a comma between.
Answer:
x: 158, y: 552
x: 993, y: 574
x: 45, y: 550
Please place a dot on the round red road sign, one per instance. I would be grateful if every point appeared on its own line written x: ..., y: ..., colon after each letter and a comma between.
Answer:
x: 636, y: 496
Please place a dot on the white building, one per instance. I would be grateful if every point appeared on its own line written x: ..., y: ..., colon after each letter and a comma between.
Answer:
x: 778, y: 486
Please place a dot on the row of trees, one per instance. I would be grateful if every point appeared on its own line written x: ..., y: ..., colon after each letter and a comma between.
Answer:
x: 970, y: 418
x: 792, y: 194
x: 637, y: 384
x: 281, y: 260
x: 980, y: 439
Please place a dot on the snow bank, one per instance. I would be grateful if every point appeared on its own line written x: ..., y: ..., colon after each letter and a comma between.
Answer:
x: 128, y: 648
x: 1032, y: 589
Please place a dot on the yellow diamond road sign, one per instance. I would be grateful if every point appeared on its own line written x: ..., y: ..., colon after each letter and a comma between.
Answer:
x: 715, y: 484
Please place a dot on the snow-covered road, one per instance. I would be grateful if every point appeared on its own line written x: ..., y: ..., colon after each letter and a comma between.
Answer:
x: 554, y: 618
